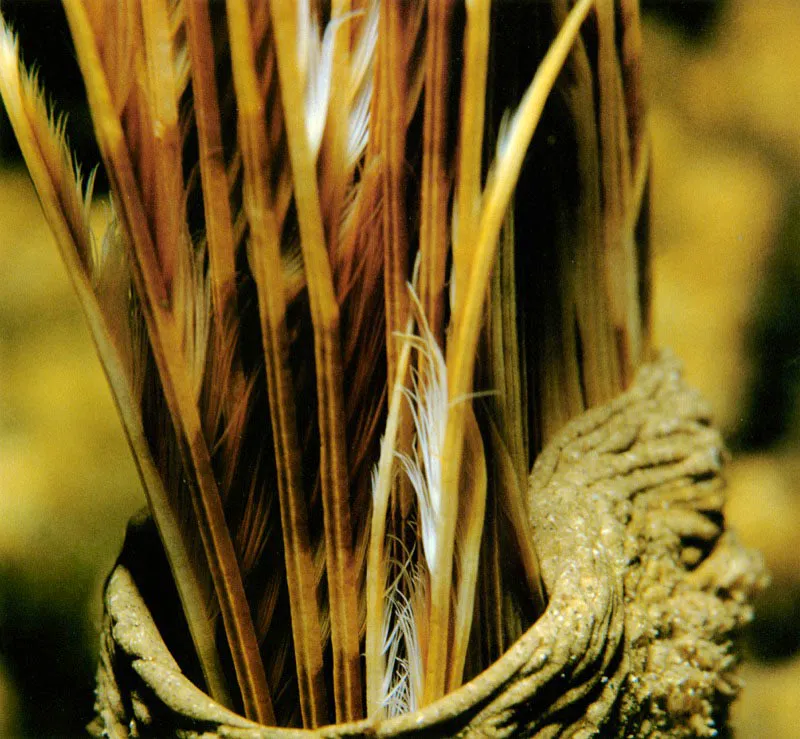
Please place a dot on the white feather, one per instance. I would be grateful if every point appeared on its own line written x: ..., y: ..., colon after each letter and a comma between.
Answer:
x: 428, y: 402
x: 403, y: 676
x: 358, y: 126
x: 318, y: 80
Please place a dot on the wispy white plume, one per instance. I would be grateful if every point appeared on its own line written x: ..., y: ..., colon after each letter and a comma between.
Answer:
x: 428, y: 402
x: 358, y: 126
x: 361, y: 84
x: 318, y: 79
x: 403, y: 677
x: 405, y: 598
x: 315, y: 64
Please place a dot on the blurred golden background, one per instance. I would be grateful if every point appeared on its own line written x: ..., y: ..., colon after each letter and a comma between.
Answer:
x: 723, y: 79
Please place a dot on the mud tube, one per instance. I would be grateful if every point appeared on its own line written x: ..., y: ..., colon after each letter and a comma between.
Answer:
x: 646, y: 591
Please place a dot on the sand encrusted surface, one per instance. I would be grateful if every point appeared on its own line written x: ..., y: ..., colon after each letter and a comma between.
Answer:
x: 646, y: 590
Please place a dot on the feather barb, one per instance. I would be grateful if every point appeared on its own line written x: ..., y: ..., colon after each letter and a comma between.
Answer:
x: 166, y: 341
x: 264, y: 254
x: 42, y: 147
x: 330, y: 396
x: 461, y: 349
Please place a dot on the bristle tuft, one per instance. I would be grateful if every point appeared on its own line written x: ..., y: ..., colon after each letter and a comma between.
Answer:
x: 325, y: 448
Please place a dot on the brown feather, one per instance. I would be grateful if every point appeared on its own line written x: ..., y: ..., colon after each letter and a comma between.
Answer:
x: 276, y: 170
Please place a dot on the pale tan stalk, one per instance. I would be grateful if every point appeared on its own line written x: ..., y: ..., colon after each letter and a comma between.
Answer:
x: 461, y: 349
x: 376, y: 565
x: 471, y: 514
x: 641, y: 179
x: 330, y: 397
x: 505, y: 368
x: 59, y: 198
x: 638, y: 213
x: 399, y: 25
x: 434, y: 226
x: 566, y: 389
x: 631, y: 43
x: 470, y: 147
x: 494, y: 638
x: 265, y: 260
x: 165, y: 338
x: 218, y: 218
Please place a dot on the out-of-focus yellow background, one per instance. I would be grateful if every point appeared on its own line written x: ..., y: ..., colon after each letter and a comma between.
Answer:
x: 725, y: 115
x: 724, y: 91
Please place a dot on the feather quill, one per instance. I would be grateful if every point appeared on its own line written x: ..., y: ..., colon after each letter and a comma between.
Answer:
x: 153, y: 286
x: 264, y: 256
x: 377, y: 571
x: 330, y: 397
x: 218, y: 217
x: 395, y: 105
x: 276, y: 168
x: 461, y: 348
x: 470, y: 151
x: 100, y: 280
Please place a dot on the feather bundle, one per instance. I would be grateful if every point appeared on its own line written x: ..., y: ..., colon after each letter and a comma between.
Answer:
x: 336, y: 461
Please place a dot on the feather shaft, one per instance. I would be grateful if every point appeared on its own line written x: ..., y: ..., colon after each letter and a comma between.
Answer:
x: 376, y: 565
x: 490, y: 629
x: 461, y: 350
x: 621, y: 272
x: 166, y: 160
x: 265, y: 262
x: 336, y: 174
x: 165, y: 339
x: 512, y: 506
x: 218, y: 219
x: 507, y: 431
x: 472, y: 509
x: 470, y: 153
x: 73, y: 239
x: 392, y: 125
x: 330, y: 396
